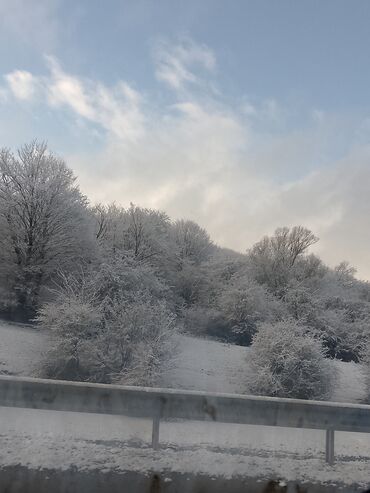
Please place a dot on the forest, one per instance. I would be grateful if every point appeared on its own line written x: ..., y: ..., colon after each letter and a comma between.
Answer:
x: 114, y: 285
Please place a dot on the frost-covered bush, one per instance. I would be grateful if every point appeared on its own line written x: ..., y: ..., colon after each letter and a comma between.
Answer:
x: 366, y: 369
x: 73, y: 323
x: 341, y: 319
x: 108, y: 327
x: 244, y: 304
x: 135, y: 342
x: 284, y: 361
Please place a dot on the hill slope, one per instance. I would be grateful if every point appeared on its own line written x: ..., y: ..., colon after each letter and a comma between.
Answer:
x: 199, y: 364
x: 213, y: 366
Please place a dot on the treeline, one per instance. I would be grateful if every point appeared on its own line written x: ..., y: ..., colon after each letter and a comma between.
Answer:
x: 114, y: 283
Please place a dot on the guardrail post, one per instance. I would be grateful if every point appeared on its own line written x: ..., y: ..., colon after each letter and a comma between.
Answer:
x: 155, y: 431
x: 156, y: 423
x: 329, y: 447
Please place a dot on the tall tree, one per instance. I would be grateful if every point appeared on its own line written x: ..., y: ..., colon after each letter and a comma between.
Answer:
x: 274, y: 257
x: 44, y: 223
x: 193, y: 242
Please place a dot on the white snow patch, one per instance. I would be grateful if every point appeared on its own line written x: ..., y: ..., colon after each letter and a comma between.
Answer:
x: 211, y: 366
x: 351, y: 383
x: 21, y: 349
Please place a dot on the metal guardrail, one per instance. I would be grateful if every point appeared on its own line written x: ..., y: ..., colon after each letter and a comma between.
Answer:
x: 158, y: 404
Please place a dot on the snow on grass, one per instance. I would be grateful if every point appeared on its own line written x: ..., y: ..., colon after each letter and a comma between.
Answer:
x: 202, y: 364
x: 351, y: 383
x: 213, y: 366
x: 198, y: 364
x: 21, y: 349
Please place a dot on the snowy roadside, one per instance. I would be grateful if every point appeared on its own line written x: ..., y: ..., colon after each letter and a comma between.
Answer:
x: 60, y: 440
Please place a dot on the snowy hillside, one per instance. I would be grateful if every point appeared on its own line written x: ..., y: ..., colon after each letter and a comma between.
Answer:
x: 199, y: 364
x: 212, y: 366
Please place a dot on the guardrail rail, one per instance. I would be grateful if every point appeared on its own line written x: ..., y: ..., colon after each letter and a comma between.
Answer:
x: 160, y: 404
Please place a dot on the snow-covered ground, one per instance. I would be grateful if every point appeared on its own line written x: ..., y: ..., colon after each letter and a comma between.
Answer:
x: 61, y: 440
x: 201, y: 364
x: 21, y: 349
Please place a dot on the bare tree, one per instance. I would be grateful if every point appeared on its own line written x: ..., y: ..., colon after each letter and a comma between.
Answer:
x: 299, y: 239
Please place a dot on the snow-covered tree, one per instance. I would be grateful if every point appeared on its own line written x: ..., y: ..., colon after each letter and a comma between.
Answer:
x: 142, y: 232
x: 273, y: 258
x: 43, y: 220
x: 193, y: 242
x: 284, y: 361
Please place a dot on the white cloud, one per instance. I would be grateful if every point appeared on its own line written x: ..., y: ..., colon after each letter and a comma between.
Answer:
x: 117, y: 110
x: 63, y: 89
x: 176, y: 63
x: 22, y: 84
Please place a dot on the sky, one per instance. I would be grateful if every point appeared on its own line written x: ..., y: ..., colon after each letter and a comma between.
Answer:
x: 241, y: 115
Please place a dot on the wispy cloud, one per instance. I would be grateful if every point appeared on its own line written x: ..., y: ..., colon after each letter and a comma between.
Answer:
x: 177, y: 64
x: 117, y: 110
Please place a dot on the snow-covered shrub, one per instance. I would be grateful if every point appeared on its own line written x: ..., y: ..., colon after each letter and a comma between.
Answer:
x: 135, y: 342
x: 341, y: 319
x: 366, y: 369
x: 108, y: 327
x: 244, y: 304
x: 284, y: 361
x: 344, y: 337
x: 74, y: 319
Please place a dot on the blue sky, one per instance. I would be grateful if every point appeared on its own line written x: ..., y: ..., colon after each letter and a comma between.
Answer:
x: 243, y: 115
